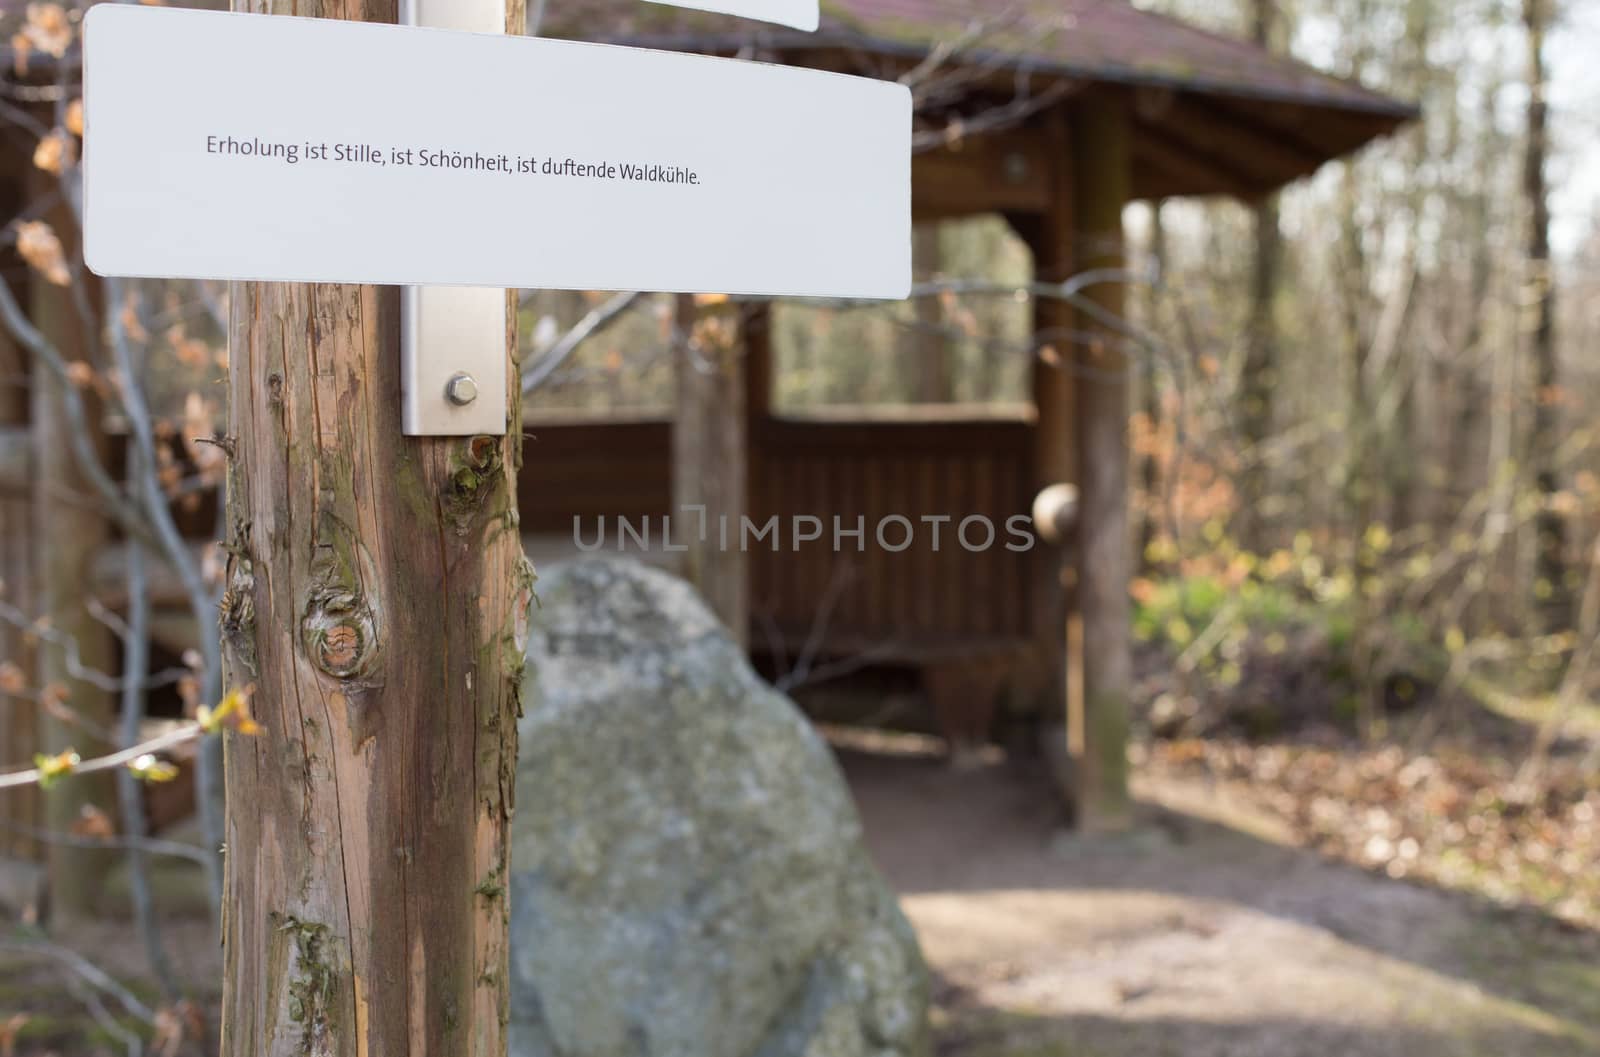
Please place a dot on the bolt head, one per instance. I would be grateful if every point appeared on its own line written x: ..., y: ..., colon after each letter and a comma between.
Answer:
x: 461, y: 390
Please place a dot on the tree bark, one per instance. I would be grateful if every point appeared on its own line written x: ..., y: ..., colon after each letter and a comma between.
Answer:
x: 377, y: 600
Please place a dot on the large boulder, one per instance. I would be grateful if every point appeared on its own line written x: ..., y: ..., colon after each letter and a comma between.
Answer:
x: 688, y: 875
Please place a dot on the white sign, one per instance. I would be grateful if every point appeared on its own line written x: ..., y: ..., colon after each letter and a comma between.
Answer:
x: 235, y: 146
x: 801, y: 14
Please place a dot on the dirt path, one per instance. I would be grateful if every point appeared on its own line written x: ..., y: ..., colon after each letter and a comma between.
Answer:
x: 1201, y: 935
x: 1193, y: 937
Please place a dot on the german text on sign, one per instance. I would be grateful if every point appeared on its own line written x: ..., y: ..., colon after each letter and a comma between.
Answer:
x: 235, y: 146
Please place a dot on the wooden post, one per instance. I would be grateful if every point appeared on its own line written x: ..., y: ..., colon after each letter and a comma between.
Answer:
x: 709, y: 468
x: 756, y: 333
x: 1053, y: 238
x: 932, y: 362
x: 377, y: 600
x: 19, y: 809
x: 1103, y: 188
x: 69, y: 534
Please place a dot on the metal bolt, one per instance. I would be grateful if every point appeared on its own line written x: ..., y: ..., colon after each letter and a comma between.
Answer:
x: 461, y: 390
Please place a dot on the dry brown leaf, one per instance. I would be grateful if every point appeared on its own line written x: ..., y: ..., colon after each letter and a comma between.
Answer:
x: 189, y: 693
x: 9, y: 1032
x: 56, y: 152
x: 37, y: 244
x: 93, y: 823
x: 131, y: 323
x: 169, y: 1032
x: 48, y: 28
x: 21, y: 50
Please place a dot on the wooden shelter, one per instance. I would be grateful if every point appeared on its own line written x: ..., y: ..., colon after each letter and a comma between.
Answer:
x: 1054, y: 114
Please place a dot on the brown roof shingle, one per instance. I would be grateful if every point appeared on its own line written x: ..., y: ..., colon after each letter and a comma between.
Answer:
x: 1103, y: 40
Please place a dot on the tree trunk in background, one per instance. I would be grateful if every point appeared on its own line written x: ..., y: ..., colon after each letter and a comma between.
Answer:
x: 1104, y: 187
x: 930, y: 347
x: 1551, y: 590
x: 1150, y: 393
x: 377, y: 599
x: 1468, y: 461
x: 1260, y: 373
x: 1408, y: 457
x: 70, y: 533
x: 709, y: 451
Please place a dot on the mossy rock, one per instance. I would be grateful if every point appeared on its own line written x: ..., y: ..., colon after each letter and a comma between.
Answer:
x: 689, y: 878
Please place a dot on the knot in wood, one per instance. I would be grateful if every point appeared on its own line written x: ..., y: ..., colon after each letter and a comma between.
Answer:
x: 341, y: 648
x: 340, y: 640
x: 339, y: 634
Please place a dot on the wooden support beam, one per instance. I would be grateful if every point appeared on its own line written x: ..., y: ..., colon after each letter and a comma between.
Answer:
x: 756, y: 332
x: 18, y: 716
x: 1058, y: 629
x: 990, y: 173
x: 931, y: 356
x: 710, y: 440
x: 1102, y: 189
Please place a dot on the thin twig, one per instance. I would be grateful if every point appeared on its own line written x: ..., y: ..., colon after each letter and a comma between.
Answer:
x: 102, y: 1016
x: 152, y: 845
x: 177, y: 736
x: 84, y: 968
x: 587, y: 327
x: 136, y: 658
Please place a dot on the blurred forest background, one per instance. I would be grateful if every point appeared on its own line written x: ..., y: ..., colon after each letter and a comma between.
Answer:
x: 1366, y: 470
x: 1368, y: 487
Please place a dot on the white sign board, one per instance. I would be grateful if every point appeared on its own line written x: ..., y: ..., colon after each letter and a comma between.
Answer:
x: 235, y: 146
x: 801, y: 14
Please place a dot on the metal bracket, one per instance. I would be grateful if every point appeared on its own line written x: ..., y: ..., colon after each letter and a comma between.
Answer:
x: 453, y: 339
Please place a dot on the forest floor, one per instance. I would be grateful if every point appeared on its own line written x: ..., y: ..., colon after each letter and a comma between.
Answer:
x: 1211, y: 930
x: 1206, y: 932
